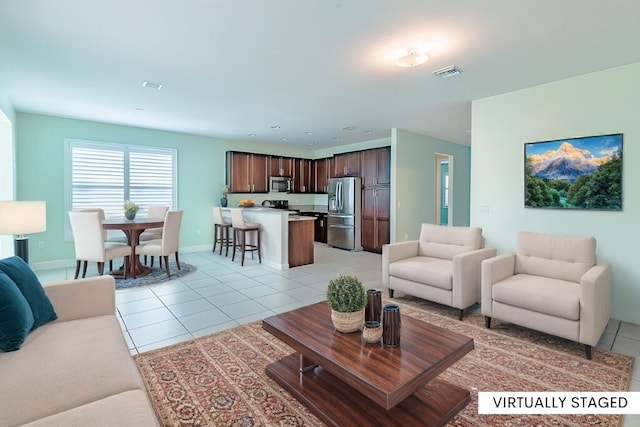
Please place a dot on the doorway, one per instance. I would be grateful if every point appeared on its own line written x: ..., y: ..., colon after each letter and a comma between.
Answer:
x: 444, y: 165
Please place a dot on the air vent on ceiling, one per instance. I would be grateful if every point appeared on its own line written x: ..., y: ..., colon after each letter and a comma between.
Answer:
x: 152, y: 85
x: 447, y: 72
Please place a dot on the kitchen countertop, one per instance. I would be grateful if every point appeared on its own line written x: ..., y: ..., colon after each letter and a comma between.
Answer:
x: 309, y: 208
x: 300, y: 218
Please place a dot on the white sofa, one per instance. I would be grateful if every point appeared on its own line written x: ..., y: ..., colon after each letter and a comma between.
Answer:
x: 551, y: 284
x: 76, y: 370
x: 442, y: 266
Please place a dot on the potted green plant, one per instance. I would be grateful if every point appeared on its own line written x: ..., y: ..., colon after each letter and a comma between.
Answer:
x: 130, y: 209
x: 347, y: 298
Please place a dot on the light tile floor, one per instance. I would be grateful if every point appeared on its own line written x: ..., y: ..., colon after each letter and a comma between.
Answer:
x: 221, y: 294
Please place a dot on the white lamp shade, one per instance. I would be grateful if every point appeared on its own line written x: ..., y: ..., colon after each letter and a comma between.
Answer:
x: 23, y: 217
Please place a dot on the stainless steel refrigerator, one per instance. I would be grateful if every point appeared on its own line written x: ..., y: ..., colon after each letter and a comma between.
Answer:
x: 345, y: 209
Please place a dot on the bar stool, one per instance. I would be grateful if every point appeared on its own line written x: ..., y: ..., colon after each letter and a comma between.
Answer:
x: 240, y: 229
x: 221, y: 231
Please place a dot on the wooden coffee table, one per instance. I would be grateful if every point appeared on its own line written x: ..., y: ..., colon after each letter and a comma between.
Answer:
x: 347, y: 382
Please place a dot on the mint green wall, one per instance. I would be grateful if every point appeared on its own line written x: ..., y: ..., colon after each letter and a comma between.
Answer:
x: 413, y: 179
x: 594, y: 104
x: 201, y: 170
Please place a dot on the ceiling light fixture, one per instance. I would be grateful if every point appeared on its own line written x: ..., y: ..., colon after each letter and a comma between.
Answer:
x: 412, y: 58
x: 308, y: 133
x: 275, y: 127
x: 284, y: 139
x: 152, y: 85
x: 311, y: 143
x: 252, y: 134
x: 349, y: 128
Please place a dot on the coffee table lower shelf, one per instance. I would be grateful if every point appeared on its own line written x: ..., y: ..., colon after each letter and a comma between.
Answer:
x: 338, y: 404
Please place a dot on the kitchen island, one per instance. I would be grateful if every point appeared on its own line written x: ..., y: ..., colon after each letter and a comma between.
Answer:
x: 277, y: 245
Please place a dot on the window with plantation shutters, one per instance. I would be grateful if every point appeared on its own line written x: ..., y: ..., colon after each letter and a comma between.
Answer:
x: 105, y: 175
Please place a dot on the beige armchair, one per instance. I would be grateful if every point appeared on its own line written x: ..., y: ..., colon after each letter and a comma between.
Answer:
x: 551, y: 284
x: 442, y: 266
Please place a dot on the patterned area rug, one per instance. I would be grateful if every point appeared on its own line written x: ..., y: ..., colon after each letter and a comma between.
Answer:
x: 219, y: 380
x: 157, y: 275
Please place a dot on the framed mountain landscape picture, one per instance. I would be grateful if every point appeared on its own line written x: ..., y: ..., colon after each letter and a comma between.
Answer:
x: 575, y: 173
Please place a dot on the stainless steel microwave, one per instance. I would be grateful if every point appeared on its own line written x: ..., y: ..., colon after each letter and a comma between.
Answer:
x: 280, y: 184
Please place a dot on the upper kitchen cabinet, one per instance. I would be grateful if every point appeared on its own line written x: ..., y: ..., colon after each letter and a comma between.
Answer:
x: 320, y: 174
x: 247, y: 172
x: 375, y: 166
x: 347, y: 164
x: 302, y: 176
x: 280, y: 166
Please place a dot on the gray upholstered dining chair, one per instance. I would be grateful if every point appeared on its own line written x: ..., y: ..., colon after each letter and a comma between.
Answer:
x: 88, y: 238
x: 168, y: 244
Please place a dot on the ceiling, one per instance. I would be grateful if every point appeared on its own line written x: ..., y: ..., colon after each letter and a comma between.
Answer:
x: 235, y: 69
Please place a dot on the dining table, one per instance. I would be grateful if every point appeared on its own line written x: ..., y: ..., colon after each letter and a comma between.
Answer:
x: 132, y: 228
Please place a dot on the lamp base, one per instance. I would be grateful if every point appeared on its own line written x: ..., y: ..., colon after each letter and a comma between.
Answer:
x: 21, y: 248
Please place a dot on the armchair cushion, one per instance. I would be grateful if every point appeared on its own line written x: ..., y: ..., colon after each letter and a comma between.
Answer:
x: 554, y: 297
x: 425, y: 270
x: 446, y: 242
x: 557, y: 257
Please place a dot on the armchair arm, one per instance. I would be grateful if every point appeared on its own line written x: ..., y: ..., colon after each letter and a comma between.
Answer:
x: 393, y: 252
x: 493, y: 270
x: 78, y: 299
x: 595, y: 303
x: 466, y: 276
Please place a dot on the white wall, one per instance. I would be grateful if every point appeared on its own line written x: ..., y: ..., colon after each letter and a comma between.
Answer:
x: 599, y: 103
x: 7, y: 162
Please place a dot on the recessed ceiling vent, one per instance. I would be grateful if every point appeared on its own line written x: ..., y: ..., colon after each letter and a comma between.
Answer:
x: 447, y: 72
x: 151, y: 85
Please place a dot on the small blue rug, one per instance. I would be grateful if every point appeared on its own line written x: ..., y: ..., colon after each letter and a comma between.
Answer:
x: 157, y: 275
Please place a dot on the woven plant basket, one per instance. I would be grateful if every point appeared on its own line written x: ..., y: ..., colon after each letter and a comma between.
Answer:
x: 347, y: 322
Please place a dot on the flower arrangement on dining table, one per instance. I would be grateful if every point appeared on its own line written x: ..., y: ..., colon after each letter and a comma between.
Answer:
x: 130, y: 209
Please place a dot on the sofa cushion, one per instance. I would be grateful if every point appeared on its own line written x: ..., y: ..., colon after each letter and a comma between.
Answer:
x: 28, y: 283
x: 554, y: 297
x: 130, y: 408
x: 63, y: 365
x: 426, y: 270
x: 557, y: 257
x: 445, y: 242
x: 16, y: 319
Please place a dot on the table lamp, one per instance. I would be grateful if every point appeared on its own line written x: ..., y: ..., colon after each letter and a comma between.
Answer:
x: 20, y: 218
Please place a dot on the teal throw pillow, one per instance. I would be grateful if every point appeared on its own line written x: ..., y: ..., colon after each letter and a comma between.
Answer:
x: 16, y: 319
x: 28, y: 283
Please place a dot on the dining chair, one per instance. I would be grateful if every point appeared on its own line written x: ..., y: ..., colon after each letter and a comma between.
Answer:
x: 168, y: 244
x: 105, y: 233
x: 88, y: 238
x: 154, y: 211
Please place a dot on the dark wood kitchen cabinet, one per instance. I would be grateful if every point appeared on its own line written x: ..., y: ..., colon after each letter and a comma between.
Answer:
x: 375, y: 166
x: 247, y: 172
x: 347, y: 164
x: 375, y: 217
x: 320, y: 175
x: 302, y: 176
x: 280, y: 166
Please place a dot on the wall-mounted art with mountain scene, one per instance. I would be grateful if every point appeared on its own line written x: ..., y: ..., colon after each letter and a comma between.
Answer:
x: 576, y: 173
